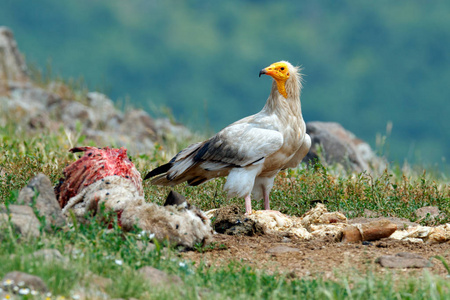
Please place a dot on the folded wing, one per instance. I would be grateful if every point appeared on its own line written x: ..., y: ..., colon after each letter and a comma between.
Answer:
x: 236, y: 146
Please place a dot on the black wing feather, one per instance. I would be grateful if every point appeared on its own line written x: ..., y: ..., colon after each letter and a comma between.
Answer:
x: 159, y: 170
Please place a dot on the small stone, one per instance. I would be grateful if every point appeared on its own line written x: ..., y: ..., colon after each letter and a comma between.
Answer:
x: 174, y: 198
x: 157, y: 277
x: 428, y: 213
x: 101, y: 282
x: 403, y: 260
x: 50, y: 255
x: 282, y: 249
x: 30, y: 281
x: 370, y: 213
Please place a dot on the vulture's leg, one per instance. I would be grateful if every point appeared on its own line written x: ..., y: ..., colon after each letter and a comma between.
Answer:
x: 248, y: 205
x: 266, y: 200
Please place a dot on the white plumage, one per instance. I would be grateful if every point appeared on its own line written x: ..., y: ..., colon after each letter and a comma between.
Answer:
x: 252, y: 150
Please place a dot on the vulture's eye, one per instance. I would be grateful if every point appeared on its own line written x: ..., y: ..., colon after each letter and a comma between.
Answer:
x: 282, y: 68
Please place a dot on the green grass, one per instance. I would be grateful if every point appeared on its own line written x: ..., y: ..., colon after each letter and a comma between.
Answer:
x: 93, y: 250
x: 97, y: 253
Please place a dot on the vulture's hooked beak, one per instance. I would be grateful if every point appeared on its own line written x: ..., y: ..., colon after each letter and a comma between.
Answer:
x: 270, y: 70
x: 263, y: 71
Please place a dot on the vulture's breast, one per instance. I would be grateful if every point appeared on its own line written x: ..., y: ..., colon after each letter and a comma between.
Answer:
x: 293, y: 139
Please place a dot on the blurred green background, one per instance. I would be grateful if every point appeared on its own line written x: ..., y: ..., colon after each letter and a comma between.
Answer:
x: 366, y: 63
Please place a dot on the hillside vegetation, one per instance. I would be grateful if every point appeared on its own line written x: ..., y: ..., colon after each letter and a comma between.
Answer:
x: 366, y: 64
x: 99, y: 263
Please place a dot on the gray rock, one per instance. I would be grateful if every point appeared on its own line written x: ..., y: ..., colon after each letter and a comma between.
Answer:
x: 137, y: 125
x: 157, y: 277
x: 22, y: 219
x: 29, y: 281
x: 282, y: 249
x: 403, y: 260
x: 428, y: 213
x: 371, y: 214
x: 50, y: 255
x: 74, y: 112
x: 28, y: 106
x: 12, y: 63
x: 100, y: 281
x: 175, y: 198
x: 145, y: 248
x: 168, y: 130
x: 106, y: 115
x: 57, y: 105
x: 33, y: 99
x: 332, y: 144
x: 140, y: 121
x: 39, y: 192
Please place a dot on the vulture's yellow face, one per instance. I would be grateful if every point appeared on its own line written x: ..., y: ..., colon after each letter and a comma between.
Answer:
x: 280, y: 73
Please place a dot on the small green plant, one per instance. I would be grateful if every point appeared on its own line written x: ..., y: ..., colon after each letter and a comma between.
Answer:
x: 444, y: 262
x: 199, y: 247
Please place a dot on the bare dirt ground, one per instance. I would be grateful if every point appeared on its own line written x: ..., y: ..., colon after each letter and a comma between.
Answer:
x: 306, y: 259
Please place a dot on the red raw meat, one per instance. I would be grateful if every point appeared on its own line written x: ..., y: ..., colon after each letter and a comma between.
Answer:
x: 95, y: 164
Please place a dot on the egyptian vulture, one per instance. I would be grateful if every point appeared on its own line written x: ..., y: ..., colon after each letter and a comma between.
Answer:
x: 250, y: 151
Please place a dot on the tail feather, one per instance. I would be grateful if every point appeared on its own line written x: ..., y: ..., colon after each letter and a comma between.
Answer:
x: 197, y: 181
x: 186, y: 166
x: 161, y: 179
x: 159, y: 170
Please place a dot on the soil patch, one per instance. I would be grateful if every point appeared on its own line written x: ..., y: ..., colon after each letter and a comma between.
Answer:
x: 316, y: 258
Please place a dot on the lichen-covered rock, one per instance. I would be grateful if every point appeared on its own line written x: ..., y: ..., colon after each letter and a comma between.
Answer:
x: 282, y: 249
x: 21, y: 218
x: 50, y: 255
x: 333, y: 144
x: 403, y: 260
x: 158, y: 278
x: 39, y: 194
x: 106, y: 115
x: 429, y: 214
x: 12, y: 63
x: 57, y: 105
x: 26, y: 281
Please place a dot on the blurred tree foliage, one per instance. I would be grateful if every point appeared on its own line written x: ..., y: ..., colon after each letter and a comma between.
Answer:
x: 366, y: 63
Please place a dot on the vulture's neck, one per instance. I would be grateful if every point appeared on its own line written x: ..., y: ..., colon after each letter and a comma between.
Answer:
x: 281, y: 106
